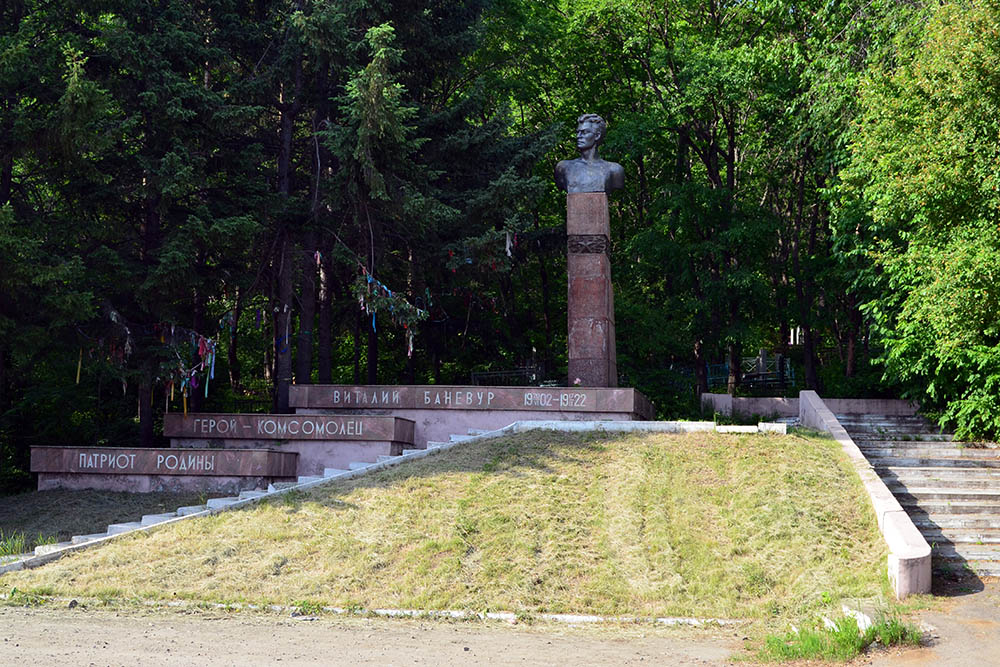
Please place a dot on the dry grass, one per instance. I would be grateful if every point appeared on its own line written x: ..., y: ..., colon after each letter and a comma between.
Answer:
x: 706, y: 525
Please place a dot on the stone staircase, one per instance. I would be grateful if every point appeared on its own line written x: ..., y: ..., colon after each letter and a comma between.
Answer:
x: 215, y: 503
x: 950, y: 490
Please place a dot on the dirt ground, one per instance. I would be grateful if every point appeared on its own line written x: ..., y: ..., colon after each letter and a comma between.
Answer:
x: 82, y: 636
x: 963, y: 630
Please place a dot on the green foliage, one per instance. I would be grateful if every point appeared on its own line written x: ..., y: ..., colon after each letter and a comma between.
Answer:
x: 925, y: 165
x: 169, y: 163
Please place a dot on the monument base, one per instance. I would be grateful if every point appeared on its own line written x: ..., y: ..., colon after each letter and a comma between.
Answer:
x: 143, y: 470
x: 590, y: 298
x: 440, y: 411
x: 228, y: 485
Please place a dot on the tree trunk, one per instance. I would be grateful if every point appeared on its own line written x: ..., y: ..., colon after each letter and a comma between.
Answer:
x: 809, y: 357
x: 233, y: 358
x: 700, y: 370
x: 146, y: 438
x: 357, y: 346
x: 325, y: 333
x: 735, y: 360
x: 6, y: 177
x: 307, y: 311
x: 283, y: 328
x: 372, y: 356
x: 854, y: 330
x: 196, y: 401
x: 3, y: 380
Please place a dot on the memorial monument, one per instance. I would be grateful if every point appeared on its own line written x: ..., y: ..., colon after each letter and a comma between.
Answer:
x: 337, y: 427
x: 587, y: 181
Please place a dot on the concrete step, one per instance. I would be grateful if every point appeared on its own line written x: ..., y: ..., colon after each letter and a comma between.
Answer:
x: 150, y: 519
x: 983, y: 568
x: 909, y: 445
x: 931, y: 462
x: 256, y: 493
x: 968, y: 552
x: 890, y: 420
x: 970, y: 523
x: 459, y: 438
x: 478, y: 431
x: 960, y: 536
x: 921, y: 450
x: 435, y: 444
x: 214, y: 503
x: 358, y: 465
x: 191, y: 509
x: 43, y: 549
x: 893, y: 429
x: 278, y: 486
x: 116, y: 528
x: 895, y: 433
x: 385, y: 457
x: 80, y: 539
x: 942, y: 477
x: 305, y: 479
x: 939, y: 482
x: 934, y: 507
x: 945, y: 494
x: 333, y: 472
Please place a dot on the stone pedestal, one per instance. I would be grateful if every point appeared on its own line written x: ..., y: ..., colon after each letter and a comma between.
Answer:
x: 591, y: 304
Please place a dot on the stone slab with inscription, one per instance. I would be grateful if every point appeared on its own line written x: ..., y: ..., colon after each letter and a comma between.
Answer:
x: 263, y: 428
x: 442, y: 397
x: 440, y: 411
x: 142, y: 469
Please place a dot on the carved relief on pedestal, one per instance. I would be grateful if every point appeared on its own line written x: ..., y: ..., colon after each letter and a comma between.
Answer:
x: 588, y: 244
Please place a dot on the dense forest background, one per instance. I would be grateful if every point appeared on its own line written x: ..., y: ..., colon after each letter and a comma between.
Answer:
x: 203, y: 201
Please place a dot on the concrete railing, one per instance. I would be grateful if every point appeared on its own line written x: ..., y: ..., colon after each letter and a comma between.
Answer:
x: 909, y: 562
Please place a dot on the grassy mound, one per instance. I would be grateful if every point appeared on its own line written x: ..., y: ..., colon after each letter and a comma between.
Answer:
x: 704, y: 525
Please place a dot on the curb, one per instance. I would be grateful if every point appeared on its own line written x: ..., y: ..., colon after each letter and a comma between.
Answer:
x: 909, y: 561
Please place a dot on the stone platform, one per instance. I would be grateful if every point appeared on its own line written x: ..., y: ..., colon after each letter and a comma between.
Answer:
x: 141, y: 470
x: 440, y: 410
x: 320, y: 441
x: 336, y: 427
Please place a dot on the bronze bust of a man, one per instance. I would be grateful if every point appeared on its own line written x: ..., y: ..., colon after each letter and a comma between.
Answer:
x: 589, y: 173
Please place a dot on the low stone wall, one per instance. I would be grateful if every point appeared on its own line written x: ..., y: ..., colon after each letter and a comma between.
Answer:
x: 725, y: 404
x: 728, y: 405
x: 871, y: 406
x: 142, y: 470
x: 909, y: 562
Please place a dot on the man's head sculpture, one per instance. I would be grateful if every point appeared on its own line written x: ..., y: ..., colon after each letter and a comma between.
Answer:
x: 590, y: 130
x: 590, y: 124
x: 589, y: 173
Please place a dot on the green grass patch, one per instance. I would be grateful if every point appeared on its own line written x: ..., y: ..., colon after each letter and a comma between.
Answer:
x: 13, y: 544
x: 841, y: 643
x: 767, y: 528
